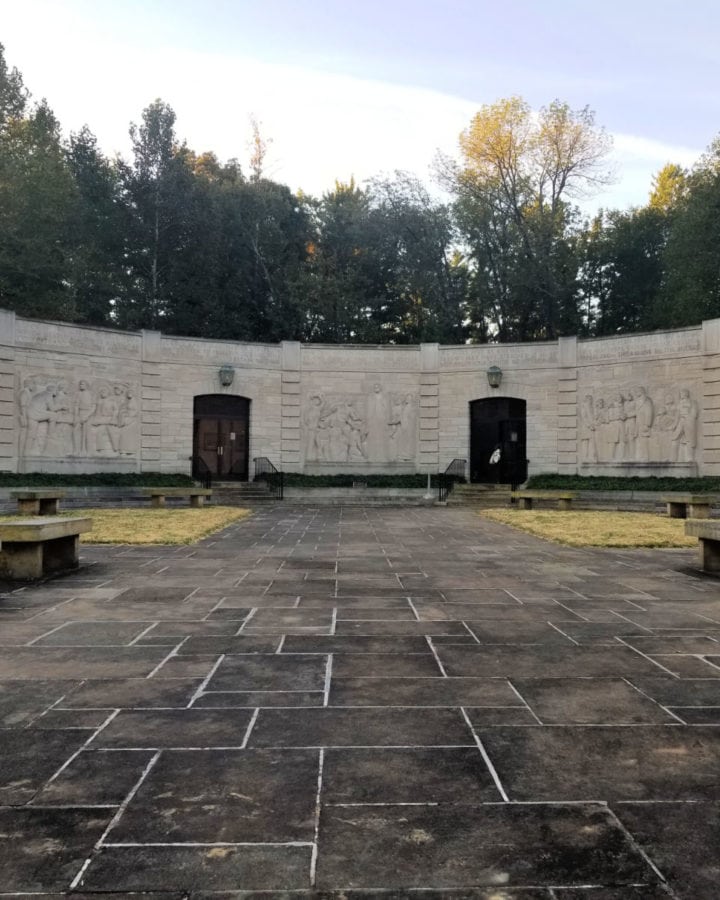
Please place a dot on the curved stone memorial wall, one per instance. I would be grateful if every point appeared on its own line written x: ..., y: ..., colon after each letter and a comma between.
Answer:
x: 80, y: 399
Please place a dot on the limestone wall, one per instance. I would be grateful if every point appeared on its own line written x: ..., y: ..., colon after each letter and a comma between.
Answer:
x: 80, y: 399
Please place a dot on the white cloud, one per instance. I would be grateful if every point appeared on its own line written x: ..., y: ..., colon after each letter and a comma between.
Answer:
x: 323, y: 126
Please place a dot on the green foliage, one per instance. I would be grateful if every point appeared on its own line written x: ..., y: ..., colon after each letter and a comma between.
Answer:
x: 550, y: 481
x: 182, y: 242
x: 296, y: 479
x: 94, y: 479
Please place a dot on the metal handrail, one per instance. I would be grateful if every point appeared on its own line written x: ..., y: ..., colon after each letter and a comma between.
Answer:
x: 201, y: 472
x: 446, y: 480
x: 271, y: 475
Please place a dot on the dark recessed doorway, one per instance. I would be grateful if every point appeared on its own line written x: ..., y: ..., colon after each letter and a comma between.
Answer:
x: 497, y: 429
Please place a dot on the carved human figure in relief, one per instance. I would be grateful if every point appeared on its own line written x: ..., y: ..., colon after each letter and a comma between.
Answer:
x: 127, y: 423
x: 354, y: 432
x: 666, y: 423
x: 645, y: 415
x: 616, y: 418
x: 588, y: 435
x: 376, y: 424
x: 685, y: 435
x: 59, y: 437
x: 104, y: 422
x: 601, y: 429
x: 40, y: 415
x: 629, y: 426
x: 83, y: 408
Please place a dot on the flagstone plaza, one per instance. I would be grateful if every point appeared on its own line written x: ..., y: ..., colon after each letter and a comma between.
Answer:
x: 361, y: 703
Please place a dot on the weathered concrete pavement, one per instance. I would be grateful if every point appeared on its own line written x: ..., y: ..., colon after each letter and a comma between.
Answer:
x: 363, y: 703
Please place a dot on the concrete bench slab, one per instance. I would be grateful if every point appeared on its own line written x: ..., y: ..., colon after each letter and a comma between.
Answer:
x: 684, y: 506
x: 32, y: 548
x: 38, y: 503
x: 525, y: 498
x: 158, y: 495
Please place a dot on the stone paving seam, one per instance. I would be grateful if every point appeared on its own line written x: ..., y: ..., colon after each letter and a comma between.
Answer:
x: 486, y: 758
x: 318, y: 810
x: 170, y: 655
x: 115, y: 819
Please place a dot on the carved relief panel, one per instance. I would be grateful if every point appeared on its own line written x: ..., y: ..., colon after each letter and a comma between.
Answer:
x: 61, y: 418
x: 633, y: 425
x: 378, y: 427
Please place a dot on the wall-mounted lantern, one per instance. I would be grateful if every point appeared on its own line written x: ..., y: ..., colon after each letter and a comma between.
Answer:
x: 494, y: 376
x: 226, y: 375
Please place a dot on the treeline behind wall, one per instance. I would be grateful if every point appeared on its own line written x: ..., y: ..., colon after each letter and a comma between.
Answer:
x: 180, y: 241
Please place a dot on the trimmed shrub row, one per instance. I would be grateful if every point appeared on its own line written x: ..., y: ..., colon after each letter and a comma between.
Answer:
x: 551, y: 481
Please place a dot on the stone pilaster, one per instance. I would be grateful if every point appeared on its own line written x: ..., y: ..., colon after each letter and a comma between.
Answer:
x: 8, y: 446
x: 151, y: 402
x: 428, y: 457
x: 290, y: 406
x: 710, y: 412
x: 567, y: 418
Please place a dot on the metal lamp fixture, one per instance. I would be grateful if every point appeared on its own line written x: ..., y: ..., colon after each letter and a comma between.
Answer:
x: 226, y: 375
x: 494, y: 376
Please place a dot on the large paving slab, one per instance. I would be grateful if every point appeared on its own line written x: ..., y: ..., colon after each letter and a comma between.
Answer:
x: 352, y: 703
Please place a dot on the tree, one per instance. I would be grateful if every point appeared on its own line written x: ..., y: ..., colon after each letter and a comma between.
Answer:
x: 513, y: 187
x: 691, y: 289
x: 157, y: 188
x: 37, y: 196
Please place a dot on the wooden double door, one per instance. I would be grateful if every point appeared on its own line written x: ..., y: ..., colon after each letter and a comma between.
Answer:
x: 221, y: 437
x: 498, y: 441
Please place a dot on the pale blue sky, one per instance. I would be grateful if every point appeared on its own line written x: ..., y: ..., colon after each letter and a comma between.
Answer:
x: 357, y: 88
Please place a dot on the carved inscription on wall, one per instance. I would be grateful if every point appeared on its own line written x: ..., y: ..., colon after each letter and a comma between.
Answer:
x: 375, y: 428
x: 631, y: 425
x: 61, y: 418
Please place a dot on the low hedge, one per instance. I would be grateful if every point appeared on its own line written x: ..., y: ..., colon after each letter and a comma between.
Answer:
x: 94, y: 479
x: 296, y: 479
x: 550, y: 481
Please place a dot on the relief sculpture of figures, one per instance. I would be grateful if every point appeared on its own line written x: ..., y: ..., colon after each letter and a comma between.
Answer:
x: 588, y: 437
x: 631, y: 427
x: 92, y: 419
x: 376, y: 427
x: 685, y: 434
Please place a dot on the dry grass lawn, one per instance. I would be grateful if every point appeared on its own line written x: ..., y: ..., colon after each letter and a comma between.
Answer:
x: 154, y: 526
x: 596, y: 528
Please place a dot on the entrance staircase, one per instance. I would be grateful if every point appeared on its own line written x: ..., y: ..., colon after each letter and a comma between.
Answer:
x: 480, y: 496
x: 241, y: 493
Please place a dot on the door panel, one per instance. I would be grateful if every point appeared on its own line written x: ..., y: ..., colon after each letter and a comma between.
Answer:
x: 221, y: 435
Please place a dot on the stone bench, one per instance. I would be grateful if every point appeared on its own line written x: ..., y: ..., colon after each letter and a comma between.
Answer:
x: 32, y: 548
x: 708, y: 533
x: 688, y: 506
x: 38, y: 503
x: 158, y: 495
x: 562, y: 498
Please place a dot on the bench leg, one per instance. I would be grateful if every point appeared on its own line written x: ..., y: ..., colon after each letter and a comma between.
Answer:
x: 710, y: 555
x: 21, y: 561
x: 61, y: 554
x: 677, y: 510
x: 565, y: 505
x: 49, y: 507
x: 157, y: 502
x: 197, y: 502
x: 525, y: 503
x: 29, y: 507
x: 702, y: 511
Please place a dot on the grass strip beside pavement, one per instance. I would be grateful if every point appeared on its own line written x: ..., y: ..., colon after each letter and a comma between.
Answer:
x: 130, y: 525
x: 596, y: 528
